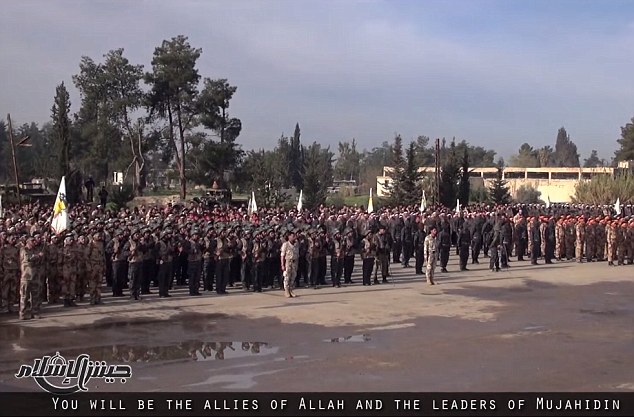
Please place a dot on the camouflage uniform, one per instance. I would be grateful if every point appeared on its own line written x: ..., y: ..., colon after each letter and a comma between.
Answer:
x: 53, y: 272
x: 560, y: 241
x: 630, y: 243
x: 10, y: 255
x: 290, y: 258
x: 581, y: 240
x: 97, y: 269
x: 591, y: 241
x: 570, y: 240
x: 81, y: 259
x: 69, y: 272
x: 529, y: 230
x: 601, y: 241
x: 611, y: 237
x: 32, y: 271
x: 621, y: 233
x: 542, y: 235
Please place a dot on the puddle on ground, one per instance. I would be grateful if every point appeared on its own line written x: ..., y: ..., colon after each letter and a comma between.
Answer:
x: 357, y: 338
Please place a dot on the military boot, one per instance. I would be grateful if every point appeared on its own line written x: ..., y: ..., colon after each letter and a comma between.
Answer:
x: 291, y: 293
x: 287, y: 293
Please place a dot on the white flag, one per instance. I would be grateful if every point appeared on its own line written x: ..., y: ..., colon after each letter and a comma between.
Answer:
x: 60, y: 209
x: 249, y: 206
x: 457, y: 205
x: 423, y: 203
x: 254, y: 206
x: 370, y: 205
x: 299, y: 203
x: 617, y: 206
x: 1, y: 209
x: 547, y: 201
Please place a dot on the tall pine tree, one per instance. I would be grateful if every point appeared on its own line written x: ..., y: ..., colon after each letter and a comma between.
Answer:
x: 499, y: 190
x: 449, y: 175
x: 394, y: 189
x: 626, y: 142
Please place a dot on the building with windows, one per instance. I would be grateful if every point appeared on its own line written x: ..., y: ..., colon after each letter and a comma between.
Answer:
x: 558, y: 184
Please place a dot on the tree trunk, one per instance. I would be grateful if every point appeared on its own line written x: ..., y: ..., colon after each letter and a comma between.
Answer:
x: 181, y: 134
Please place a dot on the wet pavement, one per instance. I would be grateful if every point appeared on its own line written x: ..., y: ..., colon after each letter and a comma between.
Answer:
x: 565, y: 327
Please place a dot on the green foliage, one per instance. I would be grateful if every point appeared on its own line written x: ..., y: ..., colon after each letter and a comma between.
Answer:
x: 348, y: 163
x: 605, y: 189
x: 566, y: 154
x: 527, y: 194
x: 593, y: 161
x: 396, y: 189
x: 626, y: 143
x: 527, y: 157
x: 499, y: 190
x: 61, y: 128
x: 449, y: 176
x: 318, y: 175
x: 479, y: 195
x: 119, y: 197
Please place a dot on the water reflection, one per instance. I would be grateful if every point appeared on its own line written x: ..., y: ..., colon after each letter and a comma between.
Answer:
x: 358, y: 338
x: 188, y: 350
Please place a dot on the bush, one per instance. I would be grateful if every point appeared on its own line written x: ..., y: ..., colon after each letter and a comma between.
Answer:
x: 605, y: 189
x: 527, y: 194
x: 120, y: 196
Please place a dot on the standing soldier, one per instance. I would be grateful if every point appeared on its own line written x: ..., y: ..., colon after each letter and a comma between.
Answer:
x: 560, y: 240
x: 601, y: 240
x: 611, y: 237
x: 570, y: 238
x: 630, y: 236
x: 314, y: 248
x: 223, y: 259
x: 259, y: 254
x: 119, y: 263
x: 69, y: 272
x: 476, y: 238
x: 419, y: 249
x: 338, y: 252
x: 495, y: 242
x: 430, y: 251
x: 591, y: 240
x: 209, y: 260
x: 521, y: 239
x: 32, y: 271
x: 368, y: 253
x: 302, y: 265
x: 289, y: 258
x: 383, y: 254
x: 165, y: 253
x: 135, y: 260
x: 581, y: 239
x: 464, y: 242
x: 620, y: 242
x: 444, y: 243
x: 542, y: 235
x: 348, y: 260
x: 97, y: 264
x: 194, y: 264
x: 323, y: 254
x: 549, y: 249
x: 10, y: 256
x: 535, y: 239
x: 246, y: 272
x: 81, y: 258
x: 407, y: 241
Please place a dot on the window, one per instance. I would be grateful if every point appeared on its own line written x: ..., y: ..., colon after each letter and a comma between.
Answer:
x: 511, y: 175
x: 564, y: 176
x: 537, y: 175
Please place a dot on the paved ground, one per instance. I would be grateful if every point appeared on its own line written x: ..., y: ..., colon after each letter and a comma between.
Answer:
x: 565, y: 327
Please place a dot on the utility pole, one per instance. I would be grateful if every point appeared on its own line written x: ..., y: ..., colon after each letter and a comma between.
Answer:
x: 15, y: 162
x: 437, y: 173
x: 22, y: 142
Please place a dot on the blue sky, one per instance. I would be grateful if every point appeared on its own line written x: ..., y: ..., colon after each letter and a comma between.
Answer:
x: 495, y: 73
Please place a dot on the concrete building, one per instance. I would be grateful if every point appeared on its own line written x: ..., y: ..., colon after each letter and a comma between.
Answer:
x: 558, y: 184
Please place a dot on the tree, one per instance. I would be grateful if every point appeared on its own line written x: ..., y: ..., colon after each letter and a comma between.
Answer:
x: 296, y: 159
x: 565, y: 150
x: 348, y: 163
x: 605, y: 189
x: 527, y: 157
x: 174, y: 80
x: 626, y: 142
x: 449, y: 176
x: 465, y: 184
x: 216, y: 157
x: 593, y: 160
x: 61, y: 128
x: 395, y: 188
x: 527, y: 194
x: 499, y: 190
x: 411, y: 185
x: 425, y: 154
x: 372, y: 163
x: 318, y: 175
x: 545, y: 156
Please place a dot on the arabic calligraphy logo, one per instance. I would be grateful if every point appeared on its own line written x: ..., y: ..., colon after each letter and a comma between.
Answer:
x: 58, y: 376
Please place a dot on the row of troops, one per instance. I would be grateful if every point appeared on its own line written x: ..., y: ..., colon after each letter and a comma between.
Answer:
x: 284, y: 257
